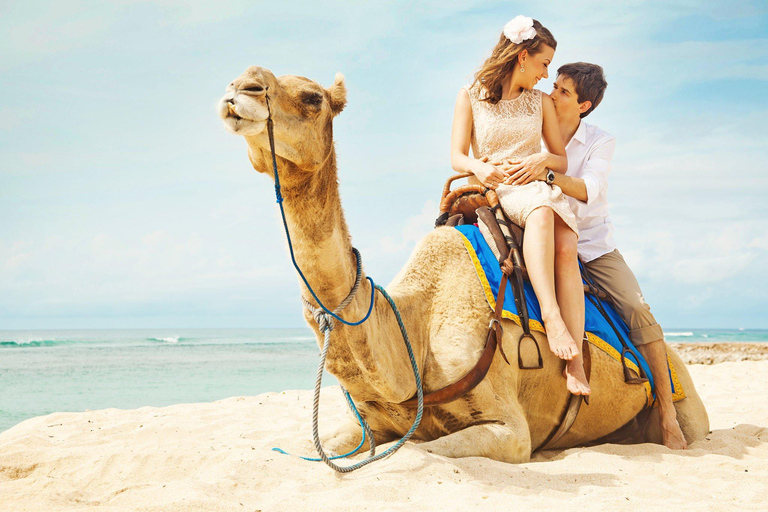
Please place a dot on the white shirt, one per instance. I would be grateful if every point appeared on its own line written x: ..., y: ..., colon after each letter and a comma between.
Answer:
x: 589, y: 157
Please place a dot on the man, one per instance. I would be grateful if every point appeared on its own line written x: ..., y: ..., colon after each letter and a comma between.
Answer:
x: 578, y: 90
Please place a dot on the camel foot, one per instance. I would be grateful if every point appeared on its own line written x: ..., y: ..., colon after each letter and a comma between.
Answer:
x: 346, y: 438
x: 505, y: 441
x: 575, y: 378
x: 671, y: 433
x: 560, y: 341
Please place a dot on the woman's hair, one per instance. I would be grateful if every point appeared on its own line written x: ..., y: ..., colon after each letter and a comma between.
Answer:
x: 503, y: 58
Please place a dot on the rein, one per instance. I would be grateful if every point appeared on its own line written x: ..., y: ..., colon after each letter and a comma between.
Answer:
x: 325, y: 318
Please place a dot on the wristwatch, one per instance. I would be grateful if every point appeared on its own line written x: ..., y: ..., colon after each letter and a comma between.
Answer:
x: 550, y: 176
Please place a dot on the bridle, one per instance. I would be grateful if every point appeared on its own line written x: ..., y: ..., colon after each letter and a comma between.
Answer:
x: 325, y: 318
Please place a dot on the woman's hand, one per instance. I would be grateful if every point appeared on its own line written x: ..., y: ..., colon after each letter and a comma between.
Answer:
x: 489, y: 175
x: 526, y: 170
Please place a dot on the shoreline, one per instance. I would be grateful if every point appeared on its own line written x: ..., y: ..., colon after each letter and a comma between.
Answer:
x: 720, y: 352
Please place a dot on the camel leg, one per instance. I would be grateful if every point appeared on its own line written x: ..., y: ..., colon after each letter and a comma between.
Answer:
x: 348, y: 435
x: 691, y: 414
x: 507, y: 440
x: 345, y: 438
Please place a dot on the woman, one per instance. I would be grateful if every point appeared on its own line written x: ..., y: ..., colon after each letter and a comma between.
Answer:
x: 504, y: 118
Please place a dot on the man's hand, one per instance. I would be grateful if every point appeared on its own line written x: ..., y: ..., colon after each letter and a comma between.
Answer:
x: 526, y: 170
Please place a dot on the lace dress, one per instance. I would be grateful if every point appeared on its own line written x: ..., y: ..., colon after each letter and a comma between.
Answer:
x: 512, y: 129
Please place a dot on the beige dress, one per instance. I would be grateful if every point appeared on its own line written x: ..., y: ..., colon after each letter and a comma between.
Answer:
x: 512, y: 129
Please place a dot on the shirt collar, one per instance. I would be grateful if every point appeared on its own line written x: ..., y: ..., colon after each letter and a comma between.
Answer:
x: 581, y: 133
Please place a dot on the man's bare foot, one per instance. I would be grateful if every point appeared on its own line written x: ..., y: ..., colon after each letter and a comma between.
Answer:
x: 575, y: 378
x: 560, y: 341
x: 671, y: 433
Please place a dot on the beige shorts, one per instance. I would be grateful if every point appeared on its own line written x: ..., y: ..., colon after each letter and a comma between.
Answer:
x: 611, y: 273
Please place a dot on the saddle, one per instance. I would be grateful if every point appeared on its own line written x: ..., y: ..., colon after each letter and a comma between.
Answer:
x: 470, y: 204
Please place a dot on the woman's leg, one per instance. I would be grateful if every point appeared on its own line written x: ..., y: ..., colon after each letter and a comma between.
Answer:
x: 539, y: 253
x: 570, y: 298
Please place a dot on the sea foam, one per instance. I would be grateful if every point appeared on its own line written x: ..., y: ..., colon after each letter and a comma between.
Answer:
x: 167, y: 339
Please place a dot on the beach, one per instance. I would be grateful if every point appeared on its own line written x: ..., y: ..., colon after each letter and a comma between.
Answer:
x: 218, y: 456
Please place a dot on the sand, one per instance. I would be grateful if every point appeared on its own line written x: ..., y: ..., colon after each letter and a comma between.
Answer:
x: 217, y: 456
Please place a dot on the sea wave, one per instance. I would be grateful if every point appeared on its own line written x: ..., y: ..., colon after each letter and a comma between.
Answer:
x: 678, y: 334
x: 32, y: 343
x: 167, y: 339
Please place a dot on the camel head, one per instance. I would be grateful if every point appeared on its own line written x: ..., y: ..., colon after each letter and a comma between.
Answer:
x: 302, y: 112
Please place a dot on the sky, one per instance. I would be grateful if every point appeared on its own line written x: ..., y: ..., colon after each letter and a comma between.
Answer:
x: 125, y: 204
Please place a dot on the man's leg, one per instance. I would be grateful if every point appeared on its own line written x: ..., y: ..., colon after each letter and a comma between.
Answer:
x: 611, y: 273
x: 655, y: 354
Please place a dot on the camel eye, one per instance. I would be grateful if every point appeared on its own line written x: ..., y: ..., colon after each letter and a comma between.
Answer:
x: 255, y: 88
x: 312, y: 99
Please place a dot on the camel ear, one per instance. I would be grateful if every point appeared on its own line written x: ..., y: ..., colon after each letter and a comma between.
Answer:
x: 338, y: 94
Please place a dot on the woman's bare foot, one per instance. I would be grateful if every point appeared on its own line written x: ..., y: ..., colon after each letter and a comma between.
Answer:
x: 560, y: 341
x: 575, y: 378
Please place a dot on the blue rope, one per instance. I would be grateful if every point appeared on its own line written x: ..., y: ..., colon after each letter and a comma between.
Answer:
x: 327, y: 332
x: 318, y: 383
x: 288, y: 235
x: 360, y: 420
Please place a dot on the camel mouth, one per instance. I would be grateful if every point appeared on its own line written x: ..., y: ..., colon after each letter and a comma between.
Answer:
x: 242, y: 119
x: 243, y: 126
x: 238, y: 122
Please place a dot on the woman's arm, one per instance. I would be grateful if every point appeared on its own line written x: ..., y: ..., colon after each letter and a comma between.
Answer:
x: 534, y: 167
x: 550, y: 132
x: 461, y: 135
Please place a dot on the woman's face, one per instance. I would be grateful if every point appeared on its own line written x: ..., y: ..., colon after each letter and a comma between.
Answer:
x: 536, y: 66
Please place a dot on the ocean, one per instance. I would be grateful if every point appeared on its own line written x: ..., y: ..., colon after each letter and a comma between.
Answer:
x: 51, y: 371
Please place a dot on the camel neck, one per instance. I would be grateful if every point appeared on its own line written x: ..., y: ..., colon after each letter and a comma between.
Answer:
x: 319, y: 233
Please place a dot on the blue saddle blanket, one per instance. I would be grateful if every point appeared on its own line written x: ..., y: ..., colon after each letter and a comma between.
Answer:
x: 598, y: 330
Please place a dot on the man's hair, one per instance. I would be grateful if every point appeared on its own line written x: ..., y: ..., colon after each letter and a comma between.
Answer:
x: 589, y: 81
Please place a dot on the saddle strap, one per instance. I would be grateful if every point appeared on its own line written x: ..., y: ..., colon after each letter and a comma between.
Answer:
x: 514, y: 265
x: 642, y: 377
x: 476, y: 375
x: 574, y: 404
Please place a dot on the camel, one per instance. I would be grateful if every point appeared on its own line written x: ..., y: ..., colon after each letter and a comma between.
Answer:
x: 512, y: 411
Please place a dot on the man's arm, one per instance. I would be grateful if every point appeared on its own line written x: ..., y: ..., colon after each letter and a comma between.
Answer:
x: 573, y: 187
x: 595, y: 177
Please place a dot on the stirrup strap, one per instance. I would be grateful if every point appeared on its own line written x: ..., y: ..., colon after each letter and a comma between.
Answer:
x: 642, y: 378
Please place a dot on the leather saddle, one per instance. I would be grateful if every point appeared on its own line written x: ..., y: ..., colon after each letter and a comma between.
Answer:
x: 471, y: 204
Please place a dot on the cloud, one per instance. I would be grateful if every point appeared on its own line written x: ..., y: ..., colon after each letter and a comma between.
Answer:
x: 702, y: 257
x: 162, y: 212
x: 416, y: 228
x: 124, y: 270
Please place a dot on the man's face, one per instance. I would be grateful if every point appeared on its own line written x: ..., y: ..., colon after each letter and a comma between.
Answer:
x: 565, y: 98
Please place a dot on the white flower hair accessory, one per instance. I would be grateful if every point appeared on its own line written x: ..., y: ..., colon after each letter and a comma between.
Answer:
x: 520, y: 29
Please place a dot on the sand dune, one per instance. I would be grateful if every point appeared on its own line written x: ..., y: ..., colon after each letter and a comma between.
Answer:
x: 217, y: 456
